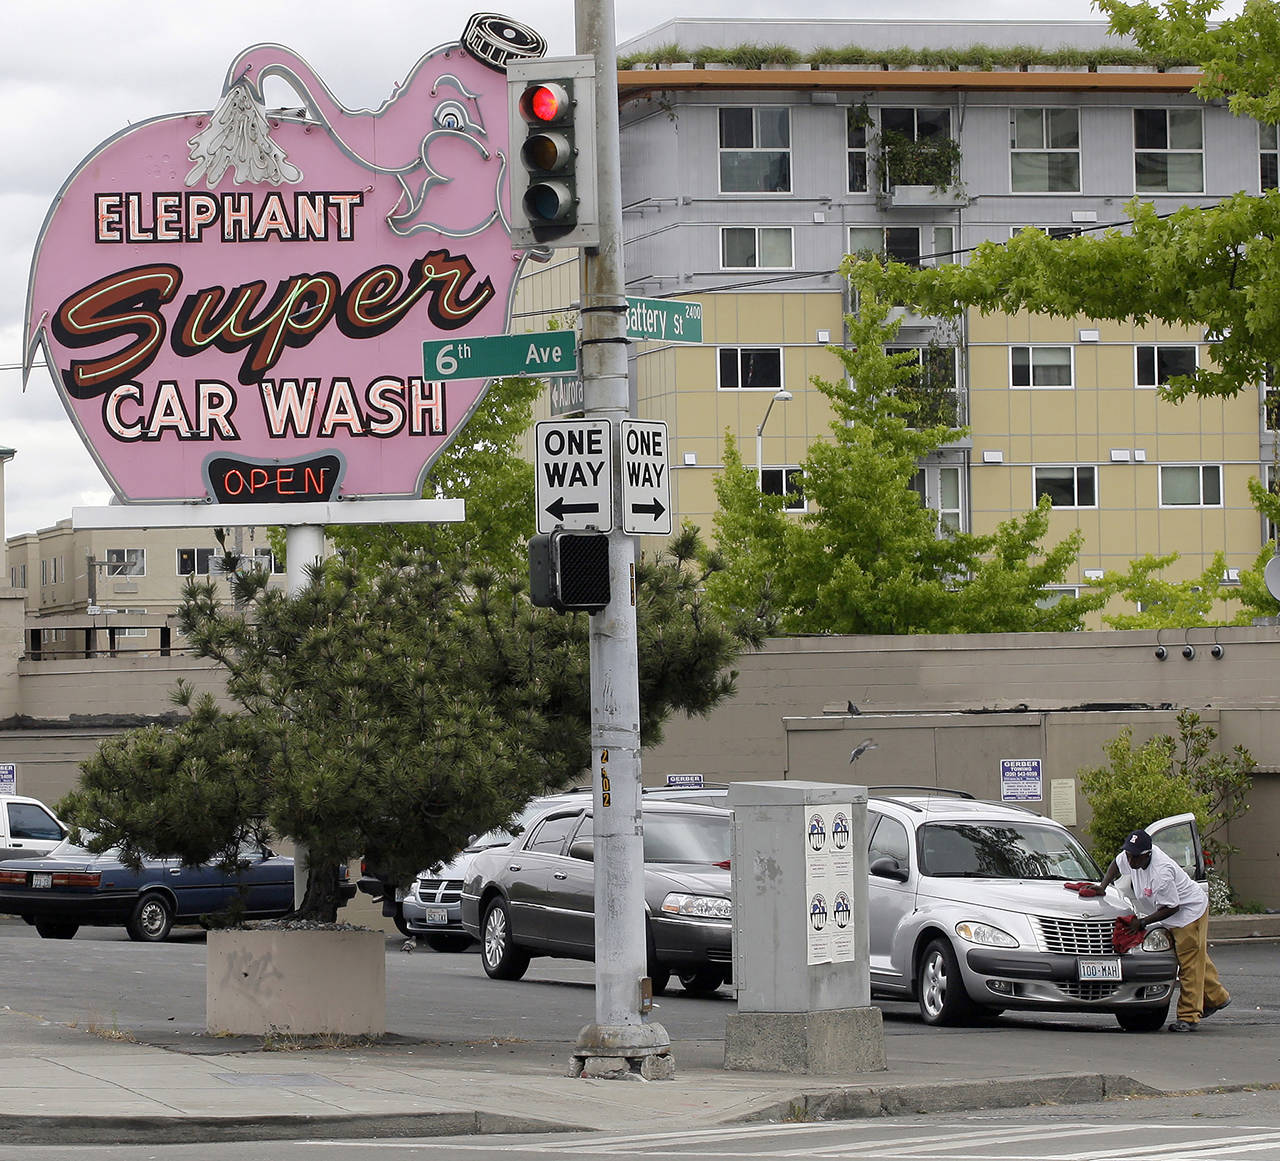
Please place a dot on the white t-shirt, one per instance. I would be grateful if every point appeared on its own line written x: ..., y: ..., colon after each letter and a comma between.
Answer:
x: 1162, y: 883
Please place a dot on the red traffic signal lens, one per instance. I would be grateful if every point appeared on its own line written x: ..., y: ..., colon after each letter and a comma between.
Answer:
x: 546, y: 103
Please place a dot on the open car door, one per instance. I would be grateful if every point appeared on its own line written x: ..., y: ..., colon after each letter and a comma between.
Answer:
x: 1179, y: 838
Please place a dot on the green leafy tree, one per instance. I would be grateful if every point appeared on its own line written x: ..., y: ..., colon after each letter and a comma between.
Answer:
x: 868, y: 557
x: 1166, y: 604
x: 1166, y: 776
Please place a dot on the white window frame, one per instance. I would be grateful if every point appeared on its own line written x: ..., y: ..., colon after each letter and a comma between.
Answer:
x: 1156, y: 348
x: 197, y: 552
x: 1167, y: 151
x: 126, y: 562
x: 1053, y: 594
x: 1075, y: 470
x: 1045, y: 149
x: 1203, y: 468
x: 927, y: 484
x: 915, y: 111
x: 853, y: 151
x: 756, y: 231
x: 1056, y: 233
x: 1270, y: 531
x: 740, y: 348
x: 133, y: 630
x: 777, y: 476
x: 1031, y: 348
x: 723, y: 149
x: 1268, y: 158
x: 265, y: 558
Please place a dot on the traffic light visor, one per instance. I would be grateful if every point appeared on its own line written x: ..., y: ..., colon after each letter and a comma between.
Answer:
x: 546, y: 103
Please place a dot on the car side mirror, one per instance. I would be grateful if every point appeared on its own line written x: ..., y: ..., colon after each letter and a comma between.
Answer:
x: 886, y: 867
x: 582, y: 849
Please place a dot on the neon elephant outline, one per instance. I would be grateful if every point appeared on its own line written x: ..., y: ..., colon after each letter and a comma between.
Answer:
x: 489, y: 40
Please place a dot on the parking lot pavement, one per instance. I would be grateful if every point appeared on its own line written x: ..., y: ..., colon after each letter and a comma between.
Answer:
x: 92, y: 1081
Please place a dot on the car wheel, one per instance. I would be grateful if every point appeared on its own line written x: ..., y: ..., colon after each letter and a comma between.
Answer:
x: 502, y: 959
x: 402, y: 926
x: 56, y: 928
x: 702, y: 981
x: 1143, y: 1019
x: 151, y: 920
x: 443, y: 941
x: 940, y: 987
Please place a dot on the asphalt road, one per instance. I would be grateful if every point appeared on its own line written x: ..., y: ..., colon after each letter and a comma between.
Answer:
x: 157, y: 992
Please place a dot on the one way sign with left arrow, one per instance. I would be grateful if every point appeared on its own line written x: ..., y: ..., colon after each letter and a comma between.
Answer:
x: 574, y: 479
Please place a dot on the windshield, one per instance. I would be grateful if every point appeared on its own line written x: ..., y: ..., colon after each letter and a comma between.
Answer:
x: 686, y: 838
x: 1003, y: 850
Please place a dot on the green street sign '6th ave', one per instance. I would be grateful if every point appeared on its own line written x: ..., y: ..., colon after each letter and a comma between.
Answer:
x: 490, y: 357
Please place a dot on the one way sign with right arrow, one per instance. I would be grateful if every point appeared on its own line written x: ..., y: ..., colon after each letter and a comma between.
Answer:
x: 646, y: 480
x: 574, y: 480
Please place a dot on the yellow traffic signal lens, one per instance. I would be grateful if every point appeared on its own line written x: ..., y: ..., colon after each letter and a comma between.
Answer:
x: 547, y: 152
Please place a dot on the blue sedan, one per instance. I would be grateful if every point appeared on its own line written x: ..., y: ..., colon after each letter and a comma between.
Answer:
x: 72, y: 888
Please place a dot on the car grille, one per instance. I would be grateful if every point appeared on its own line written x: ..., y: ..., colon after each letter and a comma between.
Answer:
x: 1089, y: 990
x: 440, y: 890
x: 1076, y: 936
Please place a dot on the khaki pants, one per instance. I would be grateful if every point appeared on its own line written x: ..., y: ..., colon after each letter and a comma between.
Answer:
x: 1198, y: 983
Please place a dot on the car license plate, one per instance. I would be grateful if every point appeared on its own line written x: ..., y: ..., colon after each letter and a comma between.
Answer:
x: 41, y: 878
x: 1100, y: 969
x: 437, y: 915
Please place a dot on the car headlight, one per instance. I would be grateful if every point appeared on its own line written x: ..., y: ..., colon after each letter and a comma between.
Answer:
x: 698, y: 906
x: 985, y: 934
x: 1157, y: 939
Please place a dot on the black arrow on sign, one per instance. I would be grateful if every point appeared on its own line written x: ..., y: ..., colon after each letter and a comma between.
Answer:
x: 655, y: 509
x: 558, y: 508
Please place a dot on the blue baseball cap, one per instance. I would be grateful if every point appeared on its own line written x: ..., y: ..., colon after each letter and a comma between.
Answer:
x: 1138, y: 843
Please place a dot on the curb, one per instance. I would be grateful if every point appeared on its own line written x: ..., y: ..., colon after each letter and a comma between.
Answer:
x: 950, y: 1097
x: 140, y: 1130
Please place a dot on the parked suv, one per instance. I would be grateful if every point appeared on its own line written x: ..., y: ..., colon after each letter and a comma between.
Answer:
x: 970, y: 914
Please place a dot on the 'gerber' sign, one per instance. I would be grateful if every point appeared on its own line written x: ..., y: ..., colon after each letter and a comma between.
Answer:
x: 234, y: 302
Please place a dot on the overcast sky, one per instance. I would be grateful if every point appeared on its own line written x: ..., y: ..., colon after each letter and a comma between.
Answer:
x: 72, y: 73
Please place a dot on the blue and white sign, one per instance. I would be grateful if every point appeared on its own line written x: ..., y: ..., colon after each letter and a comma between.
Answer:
x: 8, y: 778
x: 1021, y: 780
x: 829, y: 885
x: 684, y: 781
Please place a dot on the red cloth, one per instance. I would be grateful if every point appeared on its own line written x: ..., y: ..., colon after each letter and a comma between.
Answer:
x: 1084, y: 890
x: 1122, y: 939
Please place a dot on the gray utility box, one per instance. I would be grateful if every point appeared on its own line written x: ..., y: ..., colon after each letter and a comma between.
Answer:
x: 800, y: 946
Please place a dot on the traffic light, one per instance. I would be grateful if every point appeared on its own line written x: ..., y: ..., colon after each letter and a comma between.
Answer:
x: 569, y: 570
x: 552, y: 108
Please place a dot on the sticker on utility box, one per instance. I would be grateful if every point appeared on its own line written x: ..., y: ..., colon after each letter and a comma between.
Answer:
x: 1021, y: 780
x: 829, y: 884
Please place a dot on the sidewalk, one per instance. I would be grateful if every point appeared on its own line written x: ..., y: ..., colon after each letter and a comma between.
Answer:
x: 64, y: 1085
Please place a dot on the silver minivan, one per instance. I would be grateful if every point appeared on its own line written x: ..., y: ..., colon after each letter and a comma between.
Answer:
x: 973, y: 911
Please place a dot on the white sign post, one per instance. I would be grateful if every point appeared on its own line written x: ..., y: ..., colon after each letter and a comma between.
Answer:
x: 646, y: 481
x: 573, y: 462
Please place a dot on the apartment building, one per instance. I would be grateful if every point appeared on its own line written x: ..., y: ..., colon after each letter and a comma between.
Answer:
x: 743, y: 188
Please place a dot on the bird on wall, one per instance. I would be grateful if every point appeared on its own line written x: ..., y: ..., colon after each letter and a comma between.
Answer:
x: 860, y: 749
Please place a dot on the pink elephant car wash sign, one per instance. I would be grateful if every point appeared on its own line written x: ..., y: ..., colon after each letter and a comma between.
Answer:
x: 234, y: 302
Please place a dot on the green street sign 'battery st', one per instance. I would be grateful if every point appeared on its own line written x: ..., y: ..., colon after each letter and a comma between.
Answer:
x: 490, y: 357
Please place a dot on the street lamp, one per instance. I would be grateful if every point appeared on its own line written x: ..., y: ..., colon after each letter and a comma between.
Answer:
x: 779, y: 397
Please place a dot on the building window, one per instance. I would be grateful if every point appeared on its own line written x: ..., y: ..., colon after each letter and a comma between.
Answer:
x: 940, y: 488
x: 196, y: 561
x: 1168, y: 151
x: 1040, y: 367
x: 265, y: 559
x: 934, y: 391
x: 1156, y: 365
x: 1044, y: 153
x: 126, y: 562
x: 1052, y: 595
x: 755, y: 247
x: 18, y: 576
x: 50, y: 570
x: 910, y: 245
x: 1068, y: 487
x: 859, y: 123
x: 755, y: 150
x: 916, y: 147
x: 1057, y: 233
x: 750, y: 368
x: 1270, y: 530
x: 1270, y: 411
x: 787, y: 482
x: 1190, y: 486
x: 1267, y: 154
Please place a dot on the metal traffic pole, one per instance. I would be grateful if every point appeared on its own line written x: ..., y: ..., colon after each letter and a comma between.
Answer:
x: 620, y: 1041
x: 304, y: 547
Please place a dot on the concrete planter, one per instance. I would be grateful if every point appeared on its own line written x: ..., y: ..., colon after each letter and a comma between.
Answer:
x: 296, y: 982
